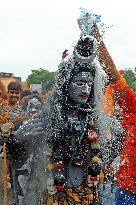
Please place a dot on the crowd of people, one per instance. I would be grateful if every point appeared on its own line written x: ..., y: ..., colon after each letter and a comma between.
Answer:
x: 61, y: 151
x: 16, y: 107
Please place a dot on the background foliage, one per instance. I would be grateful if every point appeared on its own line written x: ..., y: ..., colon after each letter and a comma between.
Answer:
x: 45, y: 77
x: 41, y: 76
x: 130, y: 76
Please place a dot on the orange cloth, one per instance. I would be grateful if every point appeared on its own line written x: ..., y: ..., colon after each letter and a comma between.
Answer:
x: 120, y: 84
x: 108, y: 102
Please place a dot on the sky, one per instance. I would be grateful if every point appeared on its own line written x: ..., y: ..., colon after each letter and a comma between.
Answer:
x: 34, y: 33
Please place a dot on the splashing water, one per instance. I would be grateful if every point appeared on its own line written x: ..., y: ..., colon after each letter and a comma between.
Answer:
x: 52, y: 121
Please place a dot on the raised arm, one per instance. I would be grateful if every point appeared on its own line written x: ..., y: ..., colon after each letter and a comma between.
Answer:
x: 105, y: 58
x: 109, y: 66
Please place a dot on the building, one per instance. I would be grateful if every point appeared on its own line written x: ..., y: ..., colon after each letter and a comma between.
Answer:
x: 6, y: 78
x: 25, y: 85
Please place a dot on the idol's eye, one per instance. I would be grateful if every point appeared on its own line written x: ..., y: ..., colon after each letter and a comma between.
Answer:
x: 83, y: 83
x: 79, y: 83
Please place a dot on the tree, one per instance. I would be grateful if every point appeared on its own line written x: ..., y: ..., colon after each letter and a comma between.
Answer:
x: 41, y: 76
x: 130, y: 76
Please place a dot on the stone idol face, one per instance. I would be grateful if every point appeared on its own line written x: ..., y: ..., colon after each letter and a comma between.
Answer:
x: 80, y: 87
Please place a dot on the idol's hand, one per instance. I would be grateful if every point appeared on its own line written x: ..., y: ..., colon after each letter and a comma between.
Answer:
x: 30, y: 130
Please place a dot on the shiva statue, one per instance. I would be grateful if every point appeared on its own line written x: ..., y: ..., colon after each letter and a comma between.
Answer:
x: 64, y: 138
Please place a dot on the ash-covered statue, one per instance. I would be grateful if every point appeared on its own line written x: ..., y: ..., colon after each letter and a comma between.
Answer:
x: 32, y: 105
x: 64, y: 137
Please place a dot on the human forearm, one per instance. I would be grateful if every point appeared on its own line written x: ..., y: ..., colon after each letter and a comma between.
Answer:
x: 107, y: 62
x: 104, y: 57
x: 119, y: 85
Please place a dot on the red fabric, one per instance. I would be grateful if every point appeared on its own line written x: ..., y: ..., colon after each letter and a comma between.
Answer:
x: 93, y: 179
x: 60, y: 188
x: 127, y: 170
x: 59, y: 164
x: 120, y: 72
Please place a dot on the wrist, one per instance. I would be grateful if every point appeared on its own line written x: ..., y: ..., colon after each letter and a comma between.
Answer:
x: 97, y: 34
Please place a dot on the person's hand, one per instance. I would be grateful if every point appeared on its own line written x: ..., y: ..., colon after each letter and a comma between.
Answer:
x: 3, y: 117
x: 96, y: 32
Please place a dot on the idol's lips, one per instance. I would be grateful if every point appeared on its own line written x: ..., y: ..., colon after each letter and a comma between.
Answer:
x: 83, y: 96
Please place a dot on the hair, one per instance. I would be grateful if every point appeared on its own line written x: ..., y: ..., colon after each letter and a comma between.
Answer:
x: 3, y: 91
x: 25, y: 93
x: 85, y: 47
x: 14, y: 86
x: 82, y: 67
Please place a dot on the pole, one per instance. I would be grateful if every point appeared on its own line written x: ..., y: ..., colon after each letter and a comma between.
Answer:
x: 5, y: 175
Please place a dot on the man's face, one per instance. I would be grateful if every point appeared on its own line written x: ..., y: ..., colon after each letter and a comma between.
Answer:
x: 14, y: 96
x: 80, y: 87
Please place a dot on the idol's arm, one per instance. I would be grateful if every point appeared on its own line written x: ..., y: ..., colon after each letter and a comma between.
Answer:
x: 30, y: 130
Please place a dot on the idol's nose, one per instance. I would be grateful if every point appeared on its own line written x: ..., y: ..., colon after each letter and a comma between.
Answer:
x: 86, y: 89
